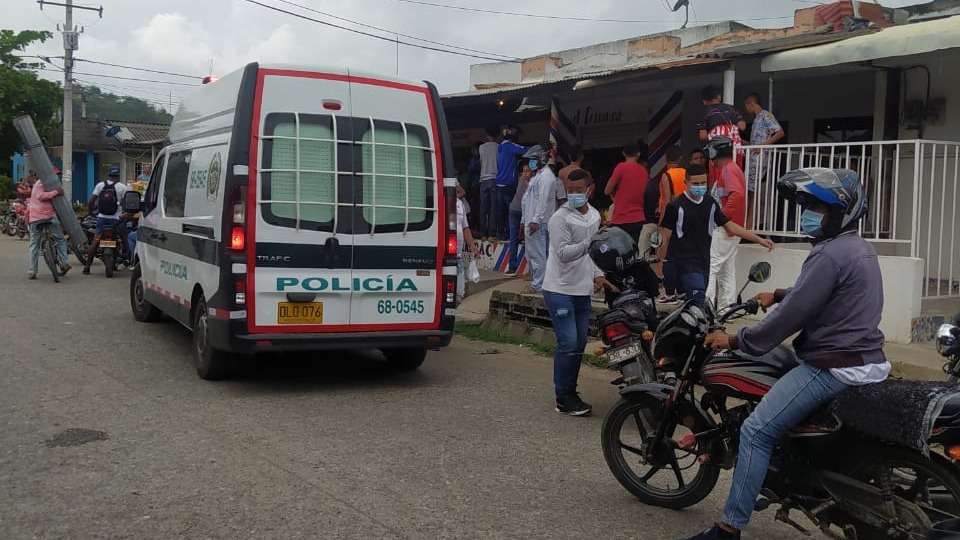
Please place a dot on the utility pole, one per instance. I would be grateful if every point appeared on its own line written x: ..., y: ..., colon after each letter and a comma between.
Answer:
x: 71, y: 41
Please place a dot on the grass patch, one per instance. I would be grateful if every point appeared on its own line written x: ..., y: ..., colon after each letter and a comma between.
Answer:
x: 480, y: 333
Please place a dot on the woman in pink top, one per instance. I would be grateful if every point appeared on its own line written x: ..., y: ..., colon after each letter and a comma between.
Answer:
x: 40, y: 208
x: 627, y: 187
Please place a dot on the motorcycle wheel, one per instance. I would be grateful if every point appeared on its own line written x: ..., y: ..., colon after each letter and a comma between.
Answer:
x: 627, y: 431
x: 11, y: 228
x: 21, y: 229
x: 4, y: 219
x: 927, y: 491
x: 108, y: 261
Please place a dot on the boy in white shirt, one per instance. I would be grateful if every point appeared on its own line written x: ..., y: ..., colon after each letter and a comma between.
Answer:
x: 464, y: 239
x: 571, y: 277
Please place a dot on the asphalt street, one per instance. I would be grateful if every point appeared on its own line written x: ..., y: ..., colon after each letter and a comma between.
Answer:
x: 107, y: 432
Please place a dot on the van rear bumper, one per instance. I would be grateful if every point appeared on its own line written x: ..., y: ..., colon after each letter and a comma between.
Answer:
x: 232, y: 336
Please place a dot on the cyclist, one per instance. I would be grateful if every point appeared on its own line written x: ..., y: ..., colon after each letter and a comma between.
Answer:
x: 106, y: 202
x: 39, y: 208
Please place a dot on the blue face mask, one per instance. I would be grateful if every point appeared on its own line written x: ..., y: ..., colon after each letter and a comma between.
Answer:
x: 577, y: 200
x: 811, y: 223
x: 698, y: 191
x: 533, y: 164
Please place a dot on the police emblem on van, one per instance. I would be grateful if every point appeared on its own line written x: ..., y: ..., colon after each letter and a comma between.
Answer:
x: 213, y: 177
x: 345, y: 284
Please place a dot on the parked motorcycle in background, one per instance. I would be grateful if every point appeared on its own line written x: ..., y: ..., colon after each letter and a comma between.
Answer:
x: 627, y: 327
x: 948, y: 345
x: 15, y: 219
x: 856, y: 468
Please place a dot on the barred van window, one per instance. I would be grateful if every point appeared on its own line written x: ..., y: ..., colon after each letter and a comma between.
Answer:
x: 306, y: 200
x: 397, y: 172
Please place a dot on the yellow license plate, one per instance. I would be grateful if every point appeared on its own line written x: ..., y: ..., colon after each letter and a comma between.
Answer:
x: 108, y: 243
x: 300, y: 313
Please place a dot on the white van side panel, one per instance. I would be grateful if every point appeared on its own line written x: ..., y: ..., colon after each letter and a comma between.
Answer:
x: 207, y: 112
x: 189, y: 218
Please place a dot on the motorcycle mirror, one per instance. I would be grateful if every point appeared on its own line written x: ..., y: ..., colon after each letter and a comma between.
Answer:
x: 131, y: 202
x: 946, y: 339
x: 759, y: 272
x: 655, y: 240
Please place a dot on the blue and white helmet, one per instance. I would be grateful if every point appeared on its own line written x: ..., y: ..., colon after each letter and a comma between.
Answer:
x: 840, y: 188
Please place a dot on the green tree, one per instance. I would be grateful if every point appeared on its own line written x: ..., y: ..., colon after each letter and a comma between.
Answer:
x: 22, y: 92
x: 107, y: 106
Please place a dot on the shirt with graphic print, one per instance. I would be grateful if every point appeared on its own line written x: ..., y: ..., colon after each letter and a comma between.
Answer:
x: 692, y: 223
x: 764, y: 126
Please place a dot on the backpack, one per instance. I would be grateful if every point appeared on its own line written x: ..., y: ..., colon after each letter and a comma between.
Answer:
x: 107, y: 203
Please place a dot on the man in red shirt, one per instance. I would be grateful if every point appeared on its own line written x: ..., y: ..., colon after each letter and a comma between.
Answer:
x: 730, y: 190
x: 626, y: 187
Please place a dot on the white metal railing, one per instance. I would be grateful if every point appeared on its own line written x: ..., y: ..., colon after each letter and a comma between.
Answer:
x: 912, y: 188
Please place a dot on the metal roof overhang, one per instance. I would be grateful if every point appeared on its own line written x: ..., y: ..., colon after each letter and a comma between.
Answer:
x: 891, y: 42
x: 583, y: 81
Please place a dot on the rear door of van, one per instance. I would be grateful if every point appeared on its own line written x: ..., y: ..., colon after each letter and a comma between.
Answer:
x: 398, y: 240
x: 300, y: 268
x: 345, y: 230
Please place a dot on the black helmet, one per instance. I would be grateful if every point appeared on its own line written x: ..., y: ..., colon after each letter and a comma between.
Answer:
x: 509, y: 133
x: 613, y: 249
x: 838, y: 188
x: 718, y: 145
x: 677, y: 332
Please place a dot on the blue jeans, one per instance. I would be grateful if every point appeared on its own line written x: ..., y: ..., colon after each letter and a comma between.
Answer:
x: 792, y: 399
x: 570, y: 316
x: 514, y: 247
x: 694, y: 285
x: 504, y: 197
x: 132, y: 244
x: 536, y: 244
x: 35, y: 244
x: 488, y: 206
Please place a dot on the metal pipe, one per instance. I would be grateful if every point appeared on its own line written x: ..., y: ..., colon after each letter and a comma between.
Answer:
x: 729, y: 83
x: 40, y: 162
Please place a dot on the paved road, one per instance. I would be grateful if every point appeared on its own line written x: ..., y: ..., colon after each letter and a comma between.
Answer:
x: 312, y: 446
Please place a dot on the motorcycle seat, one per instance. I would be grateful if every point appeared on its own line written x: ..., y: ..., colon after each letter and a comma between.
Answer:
x: 43, y: 222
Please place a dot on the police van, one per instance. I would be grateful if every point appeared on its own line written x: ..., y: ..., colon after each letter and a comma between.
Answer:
x: 299, y: 208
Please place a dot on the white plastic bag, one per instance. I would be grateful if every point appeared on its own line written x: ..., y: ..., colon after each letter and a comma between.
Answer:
x: 472, y: 272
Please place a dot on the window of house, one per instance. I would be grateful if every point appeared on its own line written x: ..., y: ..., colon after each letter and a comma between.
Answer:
x: 299, y: 171
x: 175, y: 186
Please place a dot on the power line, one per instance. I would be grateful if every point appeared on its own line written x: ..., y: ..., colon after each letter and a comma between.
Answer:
x: 332, y: 16
x: 195, y: 77
x: 375, y: 36
x: 47, y: 60
x: 566, y: 18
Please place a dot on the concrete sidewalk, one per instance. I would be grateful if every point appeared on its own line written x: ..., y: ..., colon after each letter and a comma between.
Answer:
x: 914, y: 361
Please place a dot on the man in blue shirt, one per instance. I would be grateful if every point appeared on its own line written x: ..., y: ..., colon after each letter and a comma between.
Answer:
x: 507, y: 155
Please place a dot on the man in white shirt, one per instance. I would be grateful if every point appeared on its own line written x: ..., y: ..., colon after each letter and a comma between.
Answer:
x: 106, y: 201
x: 571, y: 277
x: 464, y: 240
x: 538, y: 206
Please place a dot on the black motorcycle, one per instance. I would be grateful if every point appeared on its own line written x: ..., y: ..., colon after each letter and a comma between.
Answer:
x: 841, y: 468
x: 112, y: 250
x: 627, y: 328
x: 948, y: 345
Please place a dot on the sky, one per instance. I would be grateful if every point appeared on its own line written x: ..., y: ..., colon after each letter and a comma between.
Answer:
x: 201, y: 37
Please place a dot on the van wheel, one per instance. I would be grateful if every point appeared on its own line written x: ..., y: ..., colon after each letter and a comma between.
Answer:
x: 405, y: 359
x: 212, y: 364
x: 143, y: 310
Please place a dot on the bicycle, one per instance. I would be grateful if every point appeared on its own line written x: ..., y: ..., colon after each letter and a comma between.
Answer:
x: 48, y: 248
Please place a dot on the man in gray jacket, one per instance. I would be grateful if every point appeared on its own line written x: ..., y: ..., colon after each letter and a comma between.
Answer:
x: 835, y: 304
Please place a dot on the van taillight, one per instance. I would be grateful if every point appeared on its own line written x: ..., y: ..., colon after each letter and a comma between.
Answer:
x: 452, y: 245
x: 239, y: 213
x: 240, y: 291
x: 237, y: 239
x: 450, y: 291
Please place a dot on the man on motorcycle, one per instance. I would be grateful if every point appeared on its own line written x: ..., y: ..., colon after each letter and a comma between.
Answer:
x: 835, y: 304
x: 105, y: 200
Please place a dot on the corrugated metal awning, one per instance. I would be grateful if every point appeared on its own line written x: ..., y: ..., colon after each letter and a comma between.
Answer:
x: 892, y: 42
